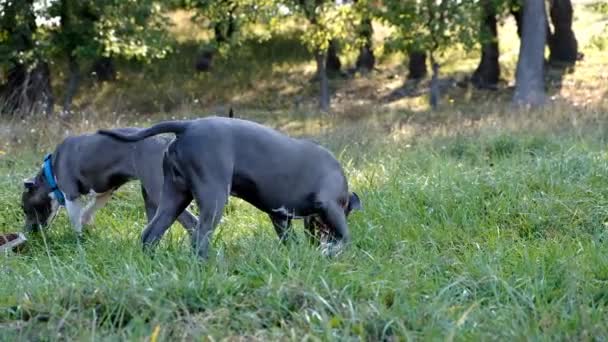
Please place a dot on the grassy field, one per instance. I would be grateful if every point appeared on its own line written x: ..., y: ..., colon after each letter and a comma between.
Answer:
x: 497, y: 235
x: 480, y: 222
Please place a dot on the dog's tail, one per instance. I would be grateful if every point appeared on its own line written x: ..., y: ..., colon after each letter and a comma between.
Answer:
x: 176, y: 127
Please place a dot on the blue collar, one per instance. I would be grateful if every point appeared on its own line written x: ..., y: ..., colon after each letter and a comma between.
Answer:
x: 50, y: 178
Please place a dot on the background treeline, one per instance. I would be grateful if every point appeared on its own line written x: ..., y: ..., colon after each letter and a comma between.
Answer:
x: 73, y: 40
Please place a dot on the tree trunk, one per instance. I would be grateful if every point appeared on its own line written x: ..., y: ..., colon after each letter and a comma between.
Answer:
x: 28, y: 91
x: 529, y: 84
x: 434, y: 91
x: 28, y: 87
x: 563, y: 46
x: 417, y: 65
x: 333, y: 64
x: 366, y: 60
x: 324, y: 100
x: 517, y: 12
x: 220, y: 36
x: 72, y: 84
x: 487, y: 73
x: 103, y: 69
x: 223, y: 35
x: 204, y: 60
x: 42, y: 91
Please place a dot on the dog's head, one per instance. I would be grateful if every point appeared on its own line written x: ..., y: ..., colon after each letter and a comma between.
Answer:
x: 330, y: 239
x: 38, y: 203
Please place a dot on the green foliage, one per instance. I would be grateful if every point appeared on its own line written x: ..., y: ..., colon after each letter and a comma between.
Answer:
x: 141, y: 34
x: 600, y: 41
x: 131, y: 29
x: 227, y: 18
x: 84, y: 29
x: 431, y: 25
x: 325, y: 20
x: 600, y: 7
x: 17, y: 32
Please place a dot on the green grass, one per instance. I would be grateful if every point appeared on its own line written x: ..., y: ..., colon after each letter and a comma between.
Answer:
x: 480, y: 236
x: 479, y: 223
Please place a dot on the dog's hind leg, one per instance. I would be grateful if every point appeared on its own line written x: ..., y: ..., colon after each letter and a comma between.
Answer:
x: 186, y: 219
x: 174, y: 199
x: 211, y: 198
x: 149, y: 204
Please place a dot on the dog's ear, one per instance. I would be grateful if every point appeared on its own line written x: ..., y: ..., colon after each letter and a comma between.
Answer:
x: 29, y: 183
x: 354, y: 203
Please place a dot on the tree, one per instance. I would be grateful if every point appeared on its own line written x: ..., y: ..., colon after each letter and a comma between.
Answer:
x: 225, y: 18
x: 487, y: 73
x: 27, y: 87
x: 429, y: 27
x: 325, y: 21
x: 221, y: 16
x: 563, y: 46
x: 74, y: 31
x: 103, y: 69
x: 90, y: 29
x: 365, y: 60
x: 529, y: 84
x: 417, y: 65
x: 333, y: 63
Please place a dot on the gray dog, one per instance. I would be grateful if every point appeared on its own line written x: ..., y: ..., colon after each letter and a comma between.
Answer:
x: 215, y: 157
x: 96, y: 165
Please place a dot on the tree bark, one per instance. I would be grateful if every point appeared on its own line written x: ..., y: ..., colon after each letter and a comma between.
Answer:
x: 366, y: 60
x: 434, y: 91
x: 72, y: 83
x: 333, y: 63
x: 324, y: 100
x: 517, y: 12
x: 563, y: 46
x: 487, y: 73
x: 529, y: 84
x: 417, y: 65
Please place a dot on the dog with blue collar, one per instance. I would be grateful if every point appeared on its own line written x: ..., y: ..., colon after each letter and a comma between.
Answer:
x: 93, y: 166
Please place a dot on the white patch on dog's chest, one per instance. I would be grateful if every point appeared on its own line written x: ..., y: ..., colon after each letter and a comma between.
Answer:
x: 54, y: 207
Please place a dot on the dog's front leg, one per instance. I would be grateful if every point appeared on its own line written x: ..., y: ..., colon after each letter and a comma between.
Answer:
x: 74, y: 209
x: 97, y: 203
x: 282, y: 225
